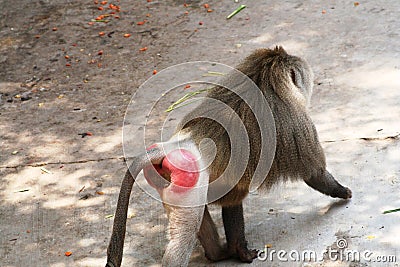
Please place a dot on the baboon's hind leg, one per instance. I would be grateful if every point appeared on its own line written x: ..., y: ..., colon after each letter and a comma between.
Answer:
x: 209, y: 239
x: 232, y: 217
x: 184, y: 223
x: 325, y: 183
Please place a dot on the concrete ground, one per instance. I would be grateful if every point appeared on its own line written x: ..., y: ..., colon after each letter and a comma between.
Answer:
x: 60, y: 77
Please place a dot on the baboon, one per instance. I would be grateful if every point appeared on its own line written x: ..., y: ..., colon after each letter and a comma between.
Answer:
x: 178, y: 168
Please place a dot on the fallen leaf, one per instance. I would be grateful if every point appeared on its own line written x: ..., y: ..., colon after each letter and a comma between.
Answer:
x: 101, y: 33
x: 213, y: 73
x: 187, y: 86
x: 237, y: 10
x: 15, y: 152
x: 141, y: 22
x: 206, y: 5
x: 209, y: 10
x: 43, y: 169
x: 323, y: 11
x: 126, y: 35
x: 68, y: 253
x: 54, y: 29
x: 154, y: 72
x: 356, y: 3
x: 390, y: 211
x: 21, y: 191
x: 103, y: 3
x: 85, y: 196
x: 100, y: 8
x: 85, y: 134
x: 114, y: 7
x: 143, y: 48
x: 186, y: 97
x: 100, y: 52
x: 100, y: 193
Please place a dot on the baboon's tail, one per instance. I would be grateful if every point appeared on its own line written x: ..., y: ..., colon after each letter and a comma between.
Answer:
x: 116, y: 245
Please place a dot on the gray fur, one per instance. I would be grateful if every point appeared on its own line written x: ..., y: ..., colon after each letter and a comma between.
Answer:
x: 286, y: 82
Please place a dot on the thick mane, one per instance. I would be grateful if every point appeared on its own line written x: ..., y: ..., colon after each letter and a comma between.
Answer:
x: 297, y: 141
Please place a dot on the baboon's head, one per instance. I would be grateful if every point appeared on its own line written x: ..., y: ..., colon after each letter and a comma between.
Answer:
x: 290, y: 77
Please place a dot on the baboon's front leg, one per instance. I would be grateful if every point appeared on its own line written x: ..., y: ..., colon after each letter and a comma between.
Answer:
x: 325, y: 183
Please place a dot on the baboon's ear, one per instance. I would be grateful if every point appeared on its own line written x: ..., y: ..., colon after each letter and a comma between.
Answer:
x: 280, y: 49
x: 293, y: 76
